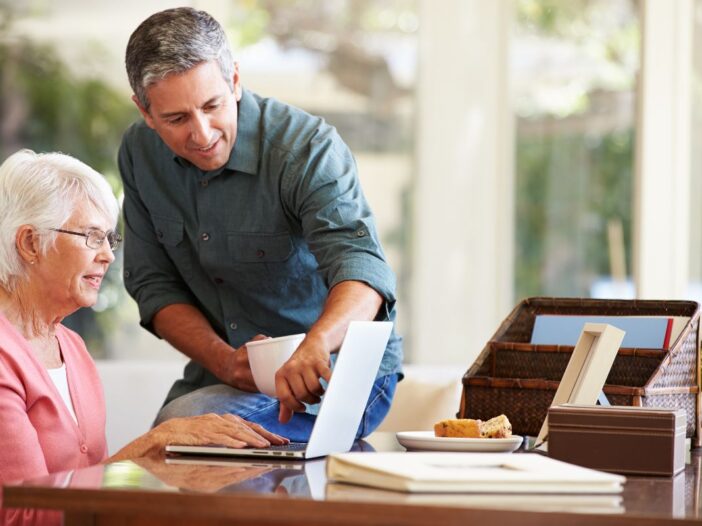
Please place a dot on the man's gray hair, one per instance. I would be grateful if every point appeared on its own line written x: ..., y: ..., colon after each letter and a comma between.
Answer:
x: 43, y: 190
x: 172, y: 42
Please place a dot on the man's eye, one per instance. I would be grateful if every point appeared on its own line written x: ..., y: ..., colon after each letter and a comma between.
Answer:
x: 211, y: 107
x: 175, y: 120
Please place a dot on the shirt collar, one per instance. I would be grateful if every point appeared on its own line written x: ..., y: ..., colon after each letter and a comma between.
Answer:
x: 244, y: 155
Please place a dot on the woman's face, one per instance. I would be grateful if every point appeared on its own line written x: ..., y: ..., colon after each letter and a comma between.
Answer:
x: 71, y: 273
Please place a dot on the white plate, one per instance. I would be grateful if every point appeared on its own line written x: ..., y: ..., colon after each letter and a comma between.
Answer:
x: 426, y: 441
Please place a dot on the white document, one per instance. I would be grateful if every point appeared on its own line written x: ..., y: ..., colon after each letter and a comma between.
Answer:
x: 609, y: 503
x: 469, y: 472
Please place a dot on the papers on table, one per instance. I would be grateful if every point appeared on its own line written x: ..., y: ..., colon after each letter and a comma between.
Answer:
x: 549, y: 502
x: 468, y: 472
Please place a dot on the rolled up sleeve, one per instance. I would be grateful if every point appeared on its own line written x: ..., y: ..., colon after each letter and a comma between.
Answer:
x: 325, y: 194
x: 150, y: 276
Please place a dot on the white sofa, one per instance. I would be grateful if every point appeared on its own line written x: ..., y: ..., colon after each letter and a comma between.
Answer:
x: 134, y: 391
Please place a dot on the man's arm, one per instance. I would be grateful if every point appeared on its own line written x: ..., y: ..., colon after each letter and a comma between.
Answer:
x: 298, y: 380
x: 324, y: 194
x: 187, y: 329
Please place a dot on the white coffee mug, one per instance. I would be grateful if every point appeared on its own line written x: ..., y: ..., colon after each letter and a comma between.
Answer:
x: 269, y: 355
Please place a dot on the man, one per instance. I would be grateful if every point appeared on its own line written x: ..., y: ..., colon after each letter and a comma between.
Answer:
x: 243, y: 217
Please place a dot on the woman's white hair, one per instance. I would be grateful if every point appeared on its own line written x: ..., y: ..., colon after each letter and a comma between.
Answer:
x: 43, y: 190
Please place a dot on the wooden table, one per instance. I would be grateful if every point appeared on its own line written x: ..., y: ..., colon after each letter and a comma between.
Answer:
x: 175, y: 493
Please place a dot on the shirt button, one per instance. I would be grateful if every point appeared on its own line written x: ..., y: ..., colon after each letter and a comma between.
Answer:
x: 204, y: 183
x: 361, y: 233
x: 83, y: 448
x: 127, y: 273
x: 159, y: 234
x: 260, y: 253
x: 218, y: 281
x: 233, y: 326
x: 205, y: 236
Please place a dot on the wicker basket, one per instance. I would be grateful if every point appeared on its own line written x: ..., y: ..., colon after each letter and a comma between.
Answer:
x: 514, y: 377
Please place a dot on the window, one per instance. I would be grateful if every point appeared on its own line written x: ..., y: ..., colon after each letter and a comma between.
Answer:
x: 573, y: 66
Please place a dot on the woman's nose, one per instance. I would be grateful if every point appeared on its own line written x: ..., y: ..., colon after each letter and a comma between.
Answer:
x: 105, y: 253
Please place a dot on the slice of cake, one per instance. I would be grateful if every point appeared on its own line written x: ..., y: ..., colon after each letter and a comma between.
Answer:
x: 458, y: 427
x: 498, y: 427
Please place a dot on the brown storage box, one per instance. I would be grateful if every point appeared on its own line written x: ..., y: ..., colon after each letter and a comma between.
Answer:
x: 629, y: 440
x: 514, y: 377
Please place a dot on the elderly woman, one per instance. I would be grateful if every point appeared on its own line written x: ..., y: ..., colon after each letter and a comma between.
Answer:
x: 57, y: 237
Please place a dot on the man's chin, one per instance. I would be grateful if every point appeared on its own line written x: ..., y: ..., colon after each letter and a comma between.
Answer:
x: 208, y: 161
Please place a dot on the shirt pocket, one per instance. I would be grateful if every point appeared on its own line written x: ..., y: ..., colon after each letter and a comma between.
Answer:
x: 267, y: 261
x: 170, y: 233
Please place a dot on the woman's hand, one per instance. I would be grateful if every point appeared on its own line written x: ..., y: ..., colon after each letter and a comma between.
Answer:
x: 226, y: 430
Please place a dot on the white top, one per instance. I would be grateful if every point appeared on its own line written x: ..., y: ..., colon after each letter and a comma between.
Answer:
x: 58, y: 376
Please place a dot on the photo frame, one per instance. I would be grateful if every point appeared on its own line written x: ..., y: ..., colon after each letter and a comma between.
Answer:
x: 587, y: 369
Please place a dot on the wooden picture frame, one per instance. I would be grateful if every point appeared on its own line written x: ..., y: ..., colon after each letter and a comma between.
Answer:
x: 587, y: 369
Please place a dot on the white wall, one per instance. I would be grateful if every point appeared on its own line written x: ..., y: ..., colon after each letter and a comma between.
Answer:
x: 463, y: 206
x: 662, y: 184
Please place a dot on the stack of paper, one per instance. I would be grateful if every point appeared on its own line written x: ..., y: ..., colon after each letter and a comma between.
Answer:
x: 468, y: 472
x: 573, y: 503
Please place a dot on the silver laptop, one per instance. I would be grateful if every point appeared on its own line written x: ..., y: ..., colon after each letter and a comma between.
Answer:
x: 342, y: 406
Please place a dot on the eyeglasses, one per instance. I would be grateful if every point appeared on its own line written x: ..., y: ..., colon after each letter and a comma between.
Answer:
x: 94, y: 237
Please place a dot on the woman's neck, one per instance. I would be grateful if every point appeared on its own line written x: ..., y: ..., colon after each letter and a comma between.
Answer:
x: 34, y: 321
x: 31, y: 318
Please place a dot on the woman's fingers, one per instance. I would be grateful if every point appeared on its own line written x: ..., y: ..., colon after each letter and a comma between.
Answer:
x: 227, y: 430
x: 272, y: 437
x: 243, y: 431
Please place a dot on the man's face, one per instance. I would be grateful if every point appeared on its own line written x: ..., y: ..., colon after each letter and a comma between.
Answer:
x: 195, y: 113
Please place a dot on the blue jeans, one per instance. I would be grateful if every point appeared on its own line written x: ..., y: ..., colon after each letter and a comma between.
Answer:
x: 262, y: 409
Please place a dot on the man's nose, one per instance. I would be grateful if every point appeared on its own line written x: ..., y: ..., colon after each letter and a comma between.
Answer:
x: 200, y: 130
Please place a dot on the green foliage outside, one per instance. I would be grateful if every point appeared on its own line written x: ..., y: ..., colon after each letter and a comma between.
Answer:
x: 573, y: 174
x: 45, y: 107
x: 568, y: 187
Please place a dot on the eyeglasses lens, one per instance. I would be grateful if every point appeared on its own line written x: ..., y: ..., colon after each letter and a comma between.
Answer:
x: 114, y: 239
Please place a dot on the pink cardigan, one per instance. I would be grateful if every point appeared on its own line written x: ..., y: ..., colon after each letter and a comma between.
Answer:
x: 37, y: 433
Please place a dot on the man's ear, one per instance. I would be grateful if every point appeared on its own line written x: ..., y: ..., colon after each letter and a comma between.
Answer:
x: 236, y: 81
x: 27, y: 243
x: 144, y: 112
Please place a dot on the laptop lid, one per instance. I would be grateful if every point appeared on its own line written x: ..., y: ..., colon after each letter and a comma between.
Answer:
x: 350, y: 386
x: 344, y: 401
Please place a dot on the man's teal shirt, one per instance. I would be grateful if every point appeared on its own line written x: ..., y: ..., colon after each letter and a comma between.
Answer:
x: 257, y: 244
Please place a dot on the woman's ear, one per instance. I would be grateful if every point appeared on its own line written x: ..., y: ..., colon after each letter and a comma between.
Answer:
x: 27, y: 243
